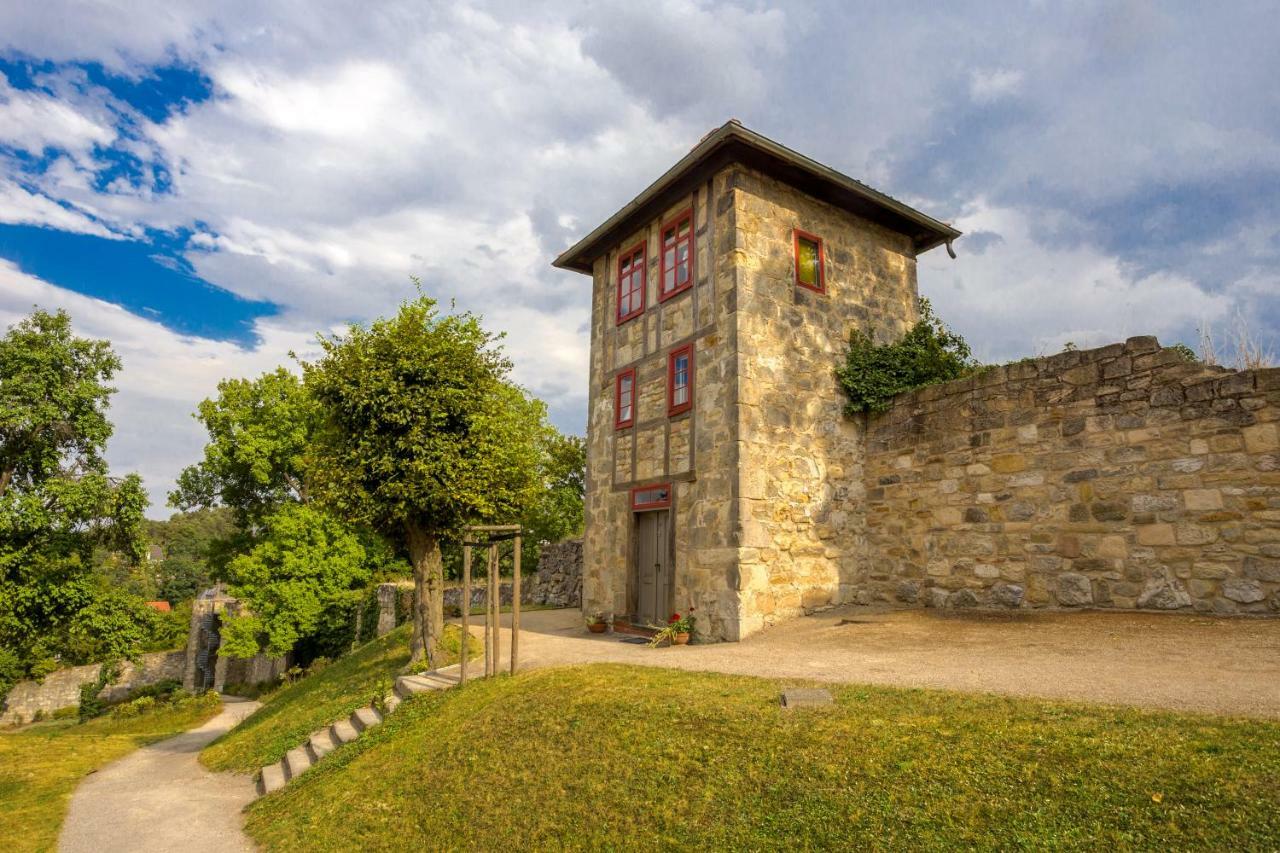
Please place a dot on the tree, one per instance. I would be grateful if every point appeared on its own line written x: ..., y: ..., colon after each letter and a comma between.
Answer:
x: 307, y: 568
x: 422, y: 434
x: 192, y: 548
x: 555, y: 512
x: 259, y: 434
x: 57, y: 500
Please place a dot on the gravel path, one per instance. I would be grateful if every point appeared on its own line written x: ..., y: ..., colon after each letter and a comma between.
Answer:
x: 161, y: 799
x: 1178, y: 662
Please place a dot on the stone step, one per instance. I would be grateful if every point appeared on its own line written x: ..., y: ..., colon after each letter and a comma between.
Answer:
x: 344, y: 732
x: 297, y: 761
x: 391, y: 701
x: 408, y: 685
x: 323, y: 742
x: 273, y: 778
x: 366, y: 718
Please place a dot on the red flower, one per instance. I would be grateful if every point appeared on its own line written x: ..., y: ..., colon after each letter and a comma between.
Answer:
x: 675, y: 617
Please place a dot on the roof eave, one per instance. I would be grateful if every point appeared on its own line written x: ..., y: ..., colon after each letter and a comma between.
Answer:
x: 932, y: 233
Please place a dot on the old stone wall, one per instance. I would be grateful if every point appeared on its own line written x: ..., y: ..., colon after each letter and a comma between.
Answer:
x: 1115, y: 477
x: 800, y: 492
x: 61, y: 689
x: 395, y: 600
x: 559, y: 579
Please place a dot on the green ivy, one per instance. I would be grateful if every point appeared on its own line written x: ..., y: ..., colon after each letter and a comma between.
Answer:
x: 873, y: 374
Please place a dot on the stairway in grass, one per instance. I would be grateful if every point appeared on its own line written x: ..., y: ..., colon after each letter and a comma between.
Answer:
x: 300, y: 759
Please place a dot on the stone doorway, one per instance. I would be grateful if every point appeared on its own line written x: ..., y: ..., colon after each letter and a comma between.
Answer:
x: 652, y: 569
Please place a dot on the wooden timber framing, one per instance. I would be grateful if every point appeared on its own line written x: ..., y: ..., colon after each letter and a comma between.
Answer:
x: 491, y: 535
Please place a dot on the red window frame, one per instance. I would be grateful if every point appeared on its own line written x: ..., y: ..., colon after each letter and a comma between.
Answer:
x: 673, y: 227
x: 642, y: 272
x: 674, y: 408
x: 797, y: 236
x: 620, y: 422
x: 660, y: 503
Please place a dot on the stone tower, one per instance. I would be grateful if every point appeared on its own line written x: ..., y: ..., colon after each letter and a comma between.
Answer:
x: 721, y: 474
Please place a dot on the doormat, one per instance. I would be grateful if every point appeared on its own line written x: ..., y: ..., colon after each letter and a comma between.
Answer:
x: 637, y: 641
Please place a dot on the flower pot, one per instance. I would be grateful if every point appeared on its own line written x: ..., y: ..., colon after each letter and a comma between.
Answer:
x: 680, y: 640
x: 597, y: 627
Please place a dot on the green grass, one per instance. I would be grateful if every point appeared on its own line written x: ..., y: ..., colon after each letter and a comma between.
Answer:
x: 41, y: 765
x: 615, y: 757
x: 291, y: 713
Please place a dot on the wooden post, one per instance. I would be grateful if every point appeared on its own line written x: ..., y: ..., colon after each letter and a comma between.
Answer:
x: 466, y: 606
x: 515, y: 605
x: 495, y: 603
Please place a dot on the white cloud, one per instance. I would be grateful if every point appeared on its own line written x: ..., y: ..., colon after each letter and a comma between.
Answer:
x: 19, y: 206
x: 986, y: 86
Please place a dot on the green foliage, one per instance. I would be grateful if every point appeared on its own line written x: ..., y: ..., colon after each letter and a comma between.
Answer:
x: 1185, y: 352
x: 259, y: 435
x: 873, y: 374
x: 58, y: 505
x: 422, y: 434
x: 194, y: 548
x: 307, y: 569
x: 91, y: 702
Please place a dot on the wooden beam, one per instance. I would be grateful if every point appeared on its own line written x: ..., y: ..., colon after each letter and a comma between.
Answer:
x: 515, y: 606
x: 466, y: 612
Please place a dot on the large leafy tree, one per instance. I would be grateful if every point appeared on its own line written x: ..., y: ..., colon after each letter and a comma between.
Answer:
x: 255, y: 461
x: 423, y: 434
x: 192, y: 545
x: 57, y: 500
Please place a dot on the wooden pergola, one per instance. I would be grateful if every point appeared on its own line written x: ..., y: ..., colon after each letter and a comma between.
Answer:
x: 491, y: 535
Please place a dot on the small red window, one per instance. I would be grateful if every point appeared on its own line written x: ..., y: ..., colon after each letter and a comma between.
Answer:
x: 810, y: 267
x: 680, y: 380
x: 651, y: 497
x: 631, y: 271
x: 625, y: 399
x: 677, y: 256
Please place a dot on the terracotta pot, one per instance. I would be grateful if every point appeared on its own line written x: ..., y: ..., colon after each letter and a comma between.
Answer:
x: 597, y: 627
x: 680, y: 640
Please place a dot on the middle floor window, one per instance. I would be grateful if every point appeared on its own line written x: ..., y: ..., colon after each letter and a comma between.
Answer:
x: 680, y: 380
x: 631, y: 270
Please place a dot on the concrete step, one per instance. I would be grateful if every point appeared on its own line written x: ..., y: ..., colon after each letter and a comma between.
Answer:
x: 366, y: 718
x: 323, y: 742
x: 344, y: 732
x: 408, y: 685
x: 297, y: 761
x: 391, y: 701
x: 273, y: 778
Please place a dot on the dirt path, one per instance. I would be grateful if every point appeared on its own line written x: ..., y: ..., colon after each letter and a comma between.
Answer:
x: 1172, y: 661
x: 160, y: 798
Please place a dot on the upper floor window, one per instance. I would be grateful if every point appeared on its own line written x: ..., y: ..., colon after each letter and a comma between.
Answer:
x: 677, y: 256
x: 680, y: 380
x: 625, y: 399
x: 631, y: 270
x: 810, y: 268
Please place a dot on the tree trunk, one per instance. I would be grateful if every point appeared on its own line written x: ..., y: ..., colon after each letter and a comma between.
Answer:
x: 428, y: 595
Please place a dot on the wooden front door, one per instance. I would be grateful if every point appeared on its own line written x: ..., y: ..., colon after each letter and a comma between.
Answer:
x: 652, y: 568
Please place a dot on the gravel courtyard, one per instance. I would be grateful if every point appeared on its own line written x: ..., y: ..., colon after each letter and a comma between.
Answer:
x: 1171, y: 661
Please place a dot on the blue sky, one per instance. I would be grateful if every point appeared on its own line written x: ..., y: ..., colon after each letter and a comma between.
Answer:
x: 210, y: 184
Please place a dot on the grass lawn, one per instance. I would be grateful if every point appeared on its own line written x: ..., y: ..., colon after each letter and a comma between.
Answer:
x: 617, y: 757
x: 291, y: 713
x: 41, y: 765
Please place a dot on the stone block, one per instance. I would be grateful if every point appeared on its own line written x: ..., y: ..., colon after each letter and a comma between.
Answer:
x: 1262, y: 438
x: 1074, y: 590
x: 1163, y: 593
x: 1243, y: 590
x: 1008, y: 595
x: 1156, y: 534
x: 1202, y: 499
x: 1009, y: 463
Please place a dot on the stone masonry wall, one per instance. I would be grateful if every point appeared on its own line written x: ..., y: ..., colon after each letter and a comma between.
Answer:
x: 559, y: 579
x: 61, y: 689
x: 800, y: 493
x: 1116, y: 477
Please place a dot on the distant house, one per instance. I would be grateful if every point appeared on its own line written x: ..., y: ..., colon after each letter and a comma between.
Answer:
x: 162, y: 606
x: 722, y: 298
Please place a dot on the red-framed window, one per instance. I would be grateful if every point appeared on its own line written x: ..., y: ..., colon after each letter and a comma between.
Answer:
x: 677, y: 256
x: 631, y: 274
x: 680, y: 380
x: 657, y: 496
x: 624, y: 399
x: 811, y: 270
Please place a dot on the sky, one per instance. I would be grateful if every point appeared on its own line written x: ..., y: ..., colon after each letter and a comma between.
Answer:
x: 209, y: 185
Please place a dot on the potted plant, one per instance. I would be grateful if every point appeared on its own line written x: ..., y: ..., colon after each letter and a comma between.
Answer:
x: 678, y: 630
x: 597, y: 623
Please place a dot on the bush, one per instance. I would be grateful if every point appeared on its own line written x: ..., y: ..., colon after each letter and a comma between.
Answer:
x: 873, y: 374
x: 91, y: 702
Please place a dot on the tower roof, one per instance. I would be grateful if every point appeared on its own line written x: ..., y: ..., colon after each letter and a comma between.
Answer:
x: 733, y: 143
